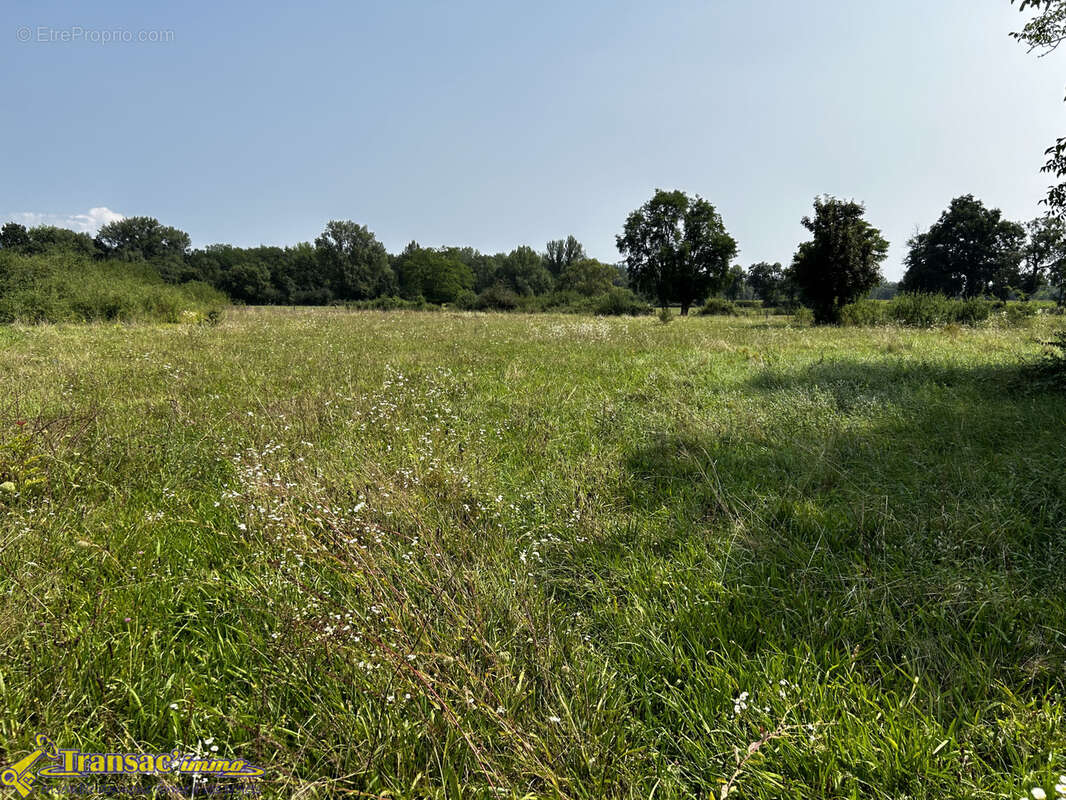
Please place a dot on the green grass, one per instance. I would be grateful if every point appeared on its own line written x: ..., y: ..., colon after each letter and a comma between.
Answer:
x: 481, y: 555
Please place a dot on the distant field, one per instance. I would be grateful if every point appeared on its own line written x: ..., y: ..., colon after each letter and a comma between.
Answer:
x: 461, y: 555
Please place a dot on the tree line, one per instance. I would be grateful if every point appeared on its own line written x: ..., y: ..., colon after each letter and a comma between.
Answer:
x: 345, y: 263
x: 676, y: 251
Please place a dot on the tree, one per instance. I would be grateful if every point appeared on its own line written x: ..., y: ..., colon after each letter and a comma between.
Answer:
x: 588, y: 277
x: 676, y: 248
x: 355, y: 264
x: 767, y: 282
x: 483, y: 265
x: 14, y: 237
x: 1045, y: 32
x: 970, y: 251
x: 1045, y: 255
x: 137, y: 238
x: 842, y: 262
x: 735, y: 286
x: 523, y: 271
x: 432, y: 274
x: 561, y: 254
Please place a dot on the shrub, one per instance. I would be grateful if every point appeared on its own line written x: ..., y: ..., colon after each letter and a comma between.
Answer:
x: 803, y: 316
x: 919, y: 310
x: 466, y: 300
x: 391, y: 303
x: 865, y: 312
x: 617, y: 303
x: 1050, y: 371
x: 719, y: 306
x: 68, y: 287
x: 666, y: 316
x: 498, y: 298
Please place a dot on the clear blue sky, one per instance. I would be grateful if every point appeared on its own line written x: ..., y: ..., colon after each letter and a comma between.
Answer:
x: 494, y: 123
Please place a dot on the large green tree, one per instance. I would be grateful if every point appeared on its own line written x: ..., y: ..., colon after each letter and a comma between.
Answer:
x: 136, y: 238
x: 433, y: 275
x: 767, y: 282
x: 970, y: 251
x: 45, y: 239
x: 354, y: 262
x: 842, y: 261
x: 561, y: 253
x: 523, y: 271
x: 1045, y: 254
x: 676, y: 248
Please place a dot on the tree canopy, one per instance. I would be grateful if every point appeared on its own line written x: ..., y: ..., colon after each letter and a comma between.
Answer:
x: 842, y: 261
x: 970, y: 251
x: 354, y: 262
x: 676, y: 248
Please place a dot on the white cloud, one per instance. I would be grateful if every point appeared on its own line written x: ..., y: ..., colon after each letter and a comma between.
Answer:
x: 90, y: 222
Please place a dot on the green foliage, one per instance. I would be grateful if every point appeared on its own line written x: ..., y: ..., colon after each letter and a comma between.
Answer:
x: 719, y: 306
x: 143, y: 238
x: 970, y: 251
x: 498, y: 298
x: 925, y: 310
x: 1046, y: 31
x: 44, y: 239
x: 767, y: 281
x: 677, y: 249
x: 1045, y: 255
x: 562, y: 254
x: 523, y: 272
x: 842, y: 261
x: 21, y: 464
x: 588, y: 277
x: 1050, y: 370
x: 432, y: 274
x: 392, y: 303
x: 71, y: 288
x: 665, y: 316
x: 353, y: 262
x: 619, y: 302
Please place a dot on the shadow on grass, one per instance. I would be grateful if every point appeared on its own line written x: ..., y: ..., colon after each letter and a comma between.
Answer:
x: 902, y: 516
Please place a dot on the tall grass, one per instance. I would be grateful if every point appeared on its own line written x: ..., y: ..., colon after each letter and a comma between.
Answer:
x: 72, y: 288
x: 469, y: 556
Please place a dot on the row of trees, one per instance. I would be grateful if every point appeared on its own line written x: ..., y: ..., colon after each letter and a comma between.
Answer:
x: 346, y: 262
x: 676, y: 249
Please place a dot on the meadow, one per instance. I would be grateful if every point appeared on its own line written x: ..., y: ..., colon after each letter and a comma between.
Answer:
x: 485, y: 555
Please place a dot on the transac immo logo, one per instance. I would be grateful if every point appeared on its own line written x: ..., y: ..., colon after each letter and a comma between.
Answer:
x: 75, y: 763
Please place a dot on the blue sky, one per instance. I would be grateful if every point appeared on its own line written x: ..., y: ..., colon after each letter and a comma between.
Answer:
x: 495, y: 123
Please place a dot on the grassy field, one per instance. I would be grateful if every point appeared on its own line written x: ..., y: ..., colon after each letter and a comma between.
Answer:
x: 471, y: 556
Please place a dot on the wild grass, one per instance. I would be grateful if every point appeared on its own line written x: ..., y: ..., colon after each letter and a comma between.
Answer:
x: 488, y: 555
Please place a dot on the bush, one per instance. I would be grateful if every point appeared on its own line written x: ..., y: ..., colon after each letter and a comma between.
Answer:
x: 67, y: 287
x: 718, y: 306
x: 391, y: 303
x: 618, y: 303
x: 865, y: 312
x: 919, y: 310
x: 466, y: 300
x: 498, y: 298
x: 1050, y: 371
x: 803, y: 316
x: 666, y: 316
